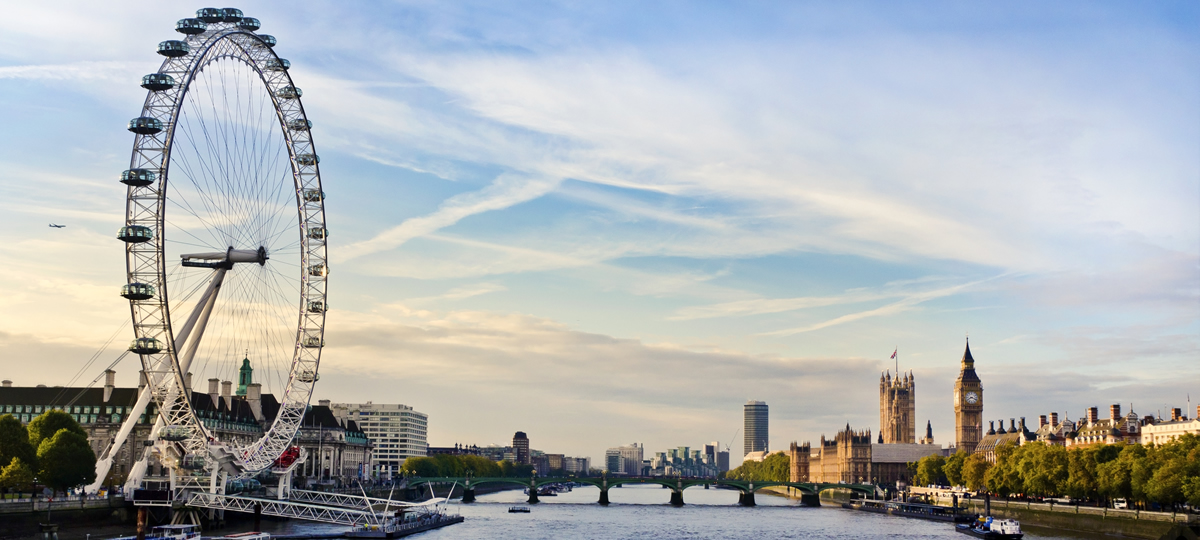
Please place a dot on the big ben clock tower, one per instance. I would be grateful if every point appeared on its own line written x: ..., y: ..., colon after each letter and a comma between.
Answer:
x: 968, y: 405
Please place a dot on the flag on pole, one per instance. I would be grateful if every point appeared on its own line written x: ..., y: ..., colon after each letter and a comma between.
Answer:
x: 894, y: 353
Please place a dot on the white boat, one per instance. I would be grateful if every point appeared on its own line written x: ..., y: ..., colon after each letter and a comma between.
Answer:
x: 169, y: 532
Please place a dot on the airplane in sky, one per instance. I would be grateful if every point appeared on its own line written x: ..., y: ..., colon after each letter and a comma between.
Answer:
x: 57, y: 226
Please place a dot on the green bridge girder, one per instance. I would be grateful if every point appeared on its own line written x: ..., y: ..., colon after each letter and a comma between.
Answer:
x: 677, y: 485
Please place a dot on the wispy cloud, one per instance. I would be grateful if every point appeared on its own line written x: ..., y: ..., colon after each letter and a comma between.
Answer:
x: 508, y: 189
x: 907, y: 303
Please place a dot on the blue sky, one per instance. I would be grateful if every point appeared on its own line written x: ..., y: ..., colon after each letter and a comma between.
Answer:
x: 617, y: 222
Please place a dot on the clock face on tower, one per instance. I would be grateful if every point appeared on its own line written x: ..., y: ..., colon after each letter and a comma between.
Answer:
x: 972, y: 398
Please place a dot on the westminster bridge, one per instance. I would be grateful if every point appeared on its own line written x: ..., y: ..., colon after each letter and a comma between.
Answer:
x: 809, y: 491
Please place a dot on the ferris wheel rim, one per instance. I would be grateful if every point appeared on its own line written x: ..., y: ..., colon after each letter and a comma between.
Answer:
x: 146, y: 225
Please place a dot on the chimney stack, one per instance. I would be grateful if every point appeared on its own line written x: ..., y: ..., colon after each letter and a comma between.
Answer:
x: 6, y: 383
x: 1012, y: 425
x: 254, y: 398
x: 1114, y: 411
x: 1093, y: 414
x: 227, y: 393
x: 1054, y: 420
x: 1041, y: 421
x: 110, y: 383
x: 214, y: 390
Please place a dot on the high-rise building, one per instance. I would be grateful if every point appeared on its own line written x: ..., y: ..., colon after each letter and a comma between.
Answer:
x: 396, y: 431
x: 521, y: 448
x: 897, y: 408
x: 625, y: 460
x: 968, y: 405
x: 756, y: 437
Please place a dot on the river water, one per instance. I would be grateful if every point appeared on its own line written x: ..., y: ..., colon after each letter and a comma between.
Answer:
x: 642, y: 512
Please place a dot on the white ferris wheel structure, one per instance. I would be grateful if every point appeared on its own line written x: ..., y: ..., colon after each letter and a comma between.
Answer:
x: 225, y: 245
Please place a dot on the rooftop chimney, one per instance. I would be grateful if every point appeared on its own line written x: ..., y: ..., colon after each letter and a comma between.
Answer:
x: 1054, y: 420
x: 227, y: 393
x: 1114, y: 411
x: 6, y: 383
x: 1041, y: 421
x: 110, y: 383
x: 1012, y: 425
x: 1093, y: 414
x: 214, y: 390
x: 1001, y: 430
x: 254, y: 397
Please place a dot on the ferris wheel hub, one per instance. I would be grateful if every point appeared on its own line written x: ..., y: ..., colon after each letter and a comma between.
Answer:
x: 225, y: 259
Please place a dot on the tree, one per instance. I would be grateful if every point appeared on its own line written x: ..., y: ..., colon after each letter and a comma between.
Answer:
x: 1004, y: 478
x: 1081, y: 473
x: 14, y: 442
x: 953, y: 469
x: 66, y: 460
x: 1043, y: 469
x: 930, y: 470
x: 974, y: 472
x: 775, y: 468
x: 17, y: 475
x: 49, y: 423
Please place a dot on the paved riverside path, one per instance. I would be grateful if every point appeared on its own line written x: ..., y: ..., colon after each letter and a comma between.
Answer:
x: 808, y: 490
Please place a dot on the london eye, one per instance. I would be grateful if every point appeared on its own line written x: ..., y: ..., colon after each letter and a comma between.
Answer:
x: 225, y: 244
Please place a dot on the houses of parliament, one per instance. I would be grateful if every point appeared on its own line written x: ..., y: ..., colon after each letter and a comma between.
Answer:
x: 852, y: 456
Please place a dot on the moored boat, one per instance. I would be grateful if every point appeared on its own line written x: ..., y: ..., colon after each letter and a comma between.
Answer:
x: 518, y: 509
x: 992, y: 529
x: 911, y: 510
x: 169, y: 532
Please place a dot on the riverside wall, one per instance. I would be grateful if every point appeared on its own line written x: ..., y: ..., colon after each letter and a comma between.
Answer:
x: 1129, y: 523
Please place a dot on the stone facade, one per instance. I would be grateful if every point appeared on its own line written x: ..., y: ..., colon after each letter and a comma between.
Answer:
x: 850, y: 457
x: 1164, y: 432
x: 897, y: 408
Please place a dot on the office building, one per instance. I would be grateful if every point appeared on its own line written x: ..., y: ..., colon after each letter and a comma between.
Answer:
x: 756, y: 437
x: 396, y: 431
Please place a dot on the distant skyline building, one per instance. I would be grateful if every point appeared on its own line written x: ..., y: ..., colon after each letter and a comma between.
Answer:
x: 396, y: 431
x: 757, y: 438
x: 520, y: 447
x: 624, y: 460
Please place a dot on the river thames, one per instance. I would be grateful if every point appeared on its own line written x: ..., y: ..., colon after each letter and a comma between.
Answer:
x: 643, y: 512
x: 634, y: 512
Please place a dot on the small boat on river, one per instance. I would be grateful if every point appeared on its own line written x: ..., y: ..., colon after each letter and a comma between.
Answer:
x: 998, y: 529
x: 169, y: 532
x: 518, y: 509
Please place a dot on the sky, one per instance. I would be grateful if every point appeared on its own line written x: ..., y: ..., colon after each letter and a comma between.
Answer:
x: 602, y: 223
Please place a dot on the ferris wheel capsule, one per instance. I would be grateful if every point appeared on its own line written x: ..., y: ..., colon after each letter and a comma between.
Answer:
x: 279, y: 64
x: 158, y: 82
x: 137, y: 177
x: 146, y: 345
x: 268, y: 39
x: 137, y: 291
x: 191, y: 27
x: 174, y: 433
x: 173, y: 48
x: 135, y: 234
x: 289, y: 92
x: 210, y: 15
x: 231, y: 15
x: 249, y: 24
